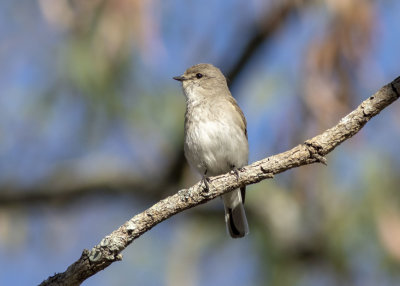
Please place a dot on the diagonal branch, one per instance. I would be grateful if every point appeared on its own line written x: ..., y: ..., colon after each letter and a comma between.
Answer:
x: 312, y: 151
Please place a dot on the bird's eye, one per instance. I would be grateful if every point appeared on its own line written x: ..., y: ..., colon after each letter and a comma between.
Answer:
x: 199, y: 75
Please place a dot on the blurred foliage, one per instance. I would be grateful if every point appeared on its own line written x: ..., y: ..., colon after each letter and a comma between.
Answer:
x: 89, y: 111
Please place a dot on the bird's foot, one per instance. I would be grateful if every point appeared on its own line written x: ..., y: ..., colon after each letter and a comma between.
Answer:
x: 235, y: 171
x: 205, y: 180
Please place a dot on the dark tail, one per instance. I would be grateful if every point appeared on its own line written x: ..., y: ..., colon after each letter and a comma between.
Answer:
x: 235, y: 216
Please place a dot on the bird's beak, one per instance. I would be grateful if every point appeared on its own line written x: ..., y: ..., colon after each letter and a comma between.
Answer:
x: 179, y: 78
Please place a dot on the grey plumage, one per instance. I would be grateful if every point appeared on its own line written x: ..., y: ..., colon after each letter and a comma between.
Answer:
x: 215, y: 135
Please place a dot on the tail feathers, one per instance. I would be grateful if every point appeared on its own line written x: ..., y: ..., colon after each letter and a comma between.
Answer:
x: 235, y: 216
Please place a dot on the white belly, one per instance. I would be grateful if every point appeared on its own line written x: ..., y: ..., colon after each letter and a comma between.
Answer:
x: 216, y: 147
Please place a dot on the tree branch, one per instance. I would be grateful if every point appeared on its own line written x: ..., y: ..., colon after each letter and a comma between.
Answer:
x: 311, y: 151
x: 66, y: 190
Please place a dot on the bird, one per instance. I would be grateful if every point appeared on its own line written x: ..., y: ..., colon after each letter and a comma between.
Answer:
x: 215, y: 136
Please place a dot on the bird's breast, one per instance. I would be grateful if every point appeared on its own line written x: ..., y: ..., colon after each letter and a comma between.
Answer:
x: 213, y: 142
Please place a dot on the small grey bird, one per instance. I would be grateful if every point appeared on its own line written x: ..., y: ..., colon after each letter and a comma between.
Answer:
x: 215, y: 135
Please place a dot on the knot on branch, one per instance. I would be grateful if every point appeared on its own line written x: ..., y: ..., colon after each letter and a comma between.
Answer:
x: 315, y: 151
x: 185, y: 195
x: 108, y: 249
x: 266, y: 174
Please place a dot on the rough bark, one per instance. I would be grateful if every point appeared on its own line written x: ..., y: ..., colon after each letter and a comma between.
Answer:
x: 311, y: 151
